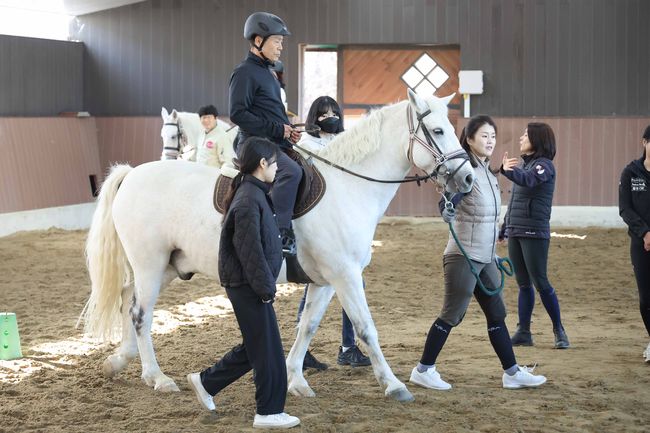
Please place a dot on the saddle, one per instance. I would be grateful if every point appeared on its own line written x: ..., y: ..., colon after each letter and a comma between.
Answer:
x: 310, y: 191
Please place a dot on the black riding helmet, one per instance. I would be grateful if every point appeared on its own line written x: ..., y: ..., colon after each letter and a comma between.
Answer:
x: 264, y: 24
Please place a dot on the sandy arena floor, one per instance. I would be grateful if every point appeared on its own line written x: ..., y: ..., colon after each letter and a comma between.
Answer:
x: 600, y: 384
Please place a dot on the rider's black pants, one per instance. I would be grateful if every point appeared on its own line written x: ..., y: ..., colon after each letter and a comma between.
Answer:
x: 641, y: 265
x: 261, y: 350
x: 285, y: 189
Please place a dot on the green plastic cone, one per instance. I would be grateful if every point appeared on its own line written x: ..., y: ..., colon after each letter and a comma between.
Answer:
x: 9, y: 338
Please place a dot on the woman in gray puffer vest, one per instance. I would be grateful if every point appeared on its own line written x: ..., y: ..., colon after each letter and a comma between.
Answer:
x: 476, y: 223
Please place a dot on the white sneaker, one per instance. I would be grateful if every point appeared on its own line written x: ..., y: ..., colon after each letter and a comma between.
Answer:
x: 194, y: 379
x: 277, y: 420
x: 523, y: 379
x: 646, y: 354
x: 429, y: 379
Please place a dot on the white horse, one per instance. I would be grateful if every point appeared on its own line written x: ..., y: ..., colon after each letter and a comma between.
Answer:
x: 151, y: 226
x: 181, y: 131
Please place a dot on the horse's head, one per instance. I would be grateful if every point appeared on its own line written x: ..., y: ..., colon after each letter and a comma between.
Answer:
x: 433, y: 145
x: 172, y: 133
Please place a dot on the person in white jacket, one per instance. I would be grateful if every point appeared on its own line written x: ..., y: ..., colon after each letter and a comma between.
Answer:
x: 325, y: 114
x: 214, y: 146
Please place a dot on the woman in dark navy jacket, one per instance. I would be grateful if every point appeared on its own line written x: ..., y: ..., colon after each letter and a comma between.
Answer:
x: 250, y: 258
x: 528, y: 229
x: 634, y: 208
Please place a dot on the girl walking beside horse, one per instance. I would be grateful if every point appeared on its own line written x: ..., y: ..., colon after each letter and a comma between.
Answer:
x: 250, y: 258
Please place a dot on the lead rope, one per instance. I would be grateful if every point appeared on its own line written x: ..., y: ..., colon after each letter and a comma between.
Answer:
x: 503, y: 264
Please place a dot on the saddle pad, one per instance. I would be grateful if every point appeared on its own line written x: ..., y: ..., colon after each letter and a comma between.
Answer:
x: 310, y: 192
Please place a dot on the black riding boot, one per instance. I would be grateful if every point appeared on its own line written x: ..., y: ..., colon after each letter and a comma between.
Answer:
x: 561, y: 339
x: 523, y: 336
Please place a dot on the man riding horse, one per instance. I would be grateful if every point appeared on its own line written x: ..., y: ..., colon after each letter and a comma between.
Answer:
x: 256, y: 107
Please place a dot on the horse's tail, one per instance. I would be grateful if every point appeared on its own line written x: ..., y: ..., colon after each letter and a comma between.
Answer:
x: 107, y: 264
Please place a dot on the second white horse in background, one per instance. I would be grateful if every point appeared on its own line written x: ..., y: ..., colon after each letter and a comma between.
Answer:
x: 181, y: 132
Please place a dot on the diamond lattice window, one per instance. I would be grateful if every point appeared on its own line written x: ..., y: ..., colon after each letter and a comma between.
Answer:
x: 425, y: 76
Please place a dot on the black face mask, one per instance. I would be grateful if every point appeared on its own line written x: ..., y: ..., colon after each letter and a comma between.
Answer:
x: 329, y: 125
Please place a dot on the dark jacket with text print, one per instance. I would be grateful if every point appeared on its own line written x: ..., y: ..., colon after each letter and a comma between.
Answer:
x: 634, y: 198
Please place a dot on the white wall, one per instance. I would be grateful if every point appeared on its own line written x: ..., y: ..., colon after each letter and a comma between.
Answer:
x: 73, y: 217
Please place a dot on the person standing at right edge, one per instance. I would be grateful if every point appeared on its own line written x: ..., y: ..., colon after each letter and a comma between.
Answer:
x: 256, y: 107
x: 634, y: 208
x: 527, y: 228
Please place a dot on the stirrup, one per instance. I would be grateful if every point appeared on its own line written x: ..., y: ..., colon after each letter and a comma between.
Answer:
x: 288, y: 242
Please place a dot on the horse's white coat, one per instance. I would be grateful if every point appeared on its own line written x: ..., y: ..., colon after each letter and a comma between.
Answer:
x: 152, y: 215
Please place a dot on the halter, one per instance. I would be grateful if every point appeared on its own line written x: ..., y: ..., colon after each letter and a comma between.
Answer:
x: 431, y: 146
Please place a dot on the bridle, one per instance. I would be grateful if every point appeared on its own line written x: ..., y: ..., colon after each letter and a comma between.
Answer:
x: 180, y: 136
x: 432, y: 147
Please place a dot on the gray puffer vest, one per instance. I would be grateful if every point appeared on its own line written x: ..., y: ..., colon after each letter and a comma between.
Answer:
x: 477, y: 218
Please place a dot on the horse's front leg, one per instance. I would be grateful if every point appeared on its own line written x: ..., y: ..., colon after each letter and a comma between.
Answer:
x: 147, y: 287
x: 318, y: 298
x: 352, y: 297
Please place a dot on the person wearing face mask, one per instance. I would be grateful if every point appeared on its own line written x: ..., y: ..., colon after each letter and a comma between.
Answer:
x: 527, y: 228
x: 325, y: 113
x: 476, y: 223
x: 256, y: 107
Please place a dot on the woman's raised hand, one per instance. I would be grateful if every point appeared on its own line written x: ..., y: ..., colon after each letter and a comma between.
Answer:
x: 509, y: 163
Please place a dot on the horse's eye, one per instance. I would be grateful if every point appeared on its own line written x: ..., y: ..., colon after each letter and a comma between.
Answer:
x: 173, y: 137
x: 438, y: 131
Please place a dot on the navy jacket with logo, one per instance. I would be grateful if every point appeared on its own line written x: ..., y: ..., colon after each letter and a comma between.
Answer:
x: 529, y: 210
x: 256, y: 102
x: 634, y: 199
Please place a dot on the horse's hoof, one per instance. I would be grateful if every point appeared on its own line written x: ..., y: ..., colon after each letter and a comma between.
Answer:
x: 302, y: 391
x: 402, y: 395
x: 109, y: 369
x: 166, y: 385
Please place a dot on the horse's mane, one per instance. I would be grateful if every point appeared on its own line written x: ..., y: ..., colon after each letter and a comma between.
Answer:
x: 354, y: 144
x: 186, y: 115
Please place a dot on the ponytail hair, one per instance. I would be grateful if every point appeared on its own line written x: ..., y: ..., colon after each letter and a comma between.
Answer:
x: 251, y: 151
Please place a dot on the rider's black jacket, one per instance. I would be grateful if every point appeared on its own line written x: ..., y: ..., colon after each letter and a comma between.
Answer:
x: 250, y: 250
x: 256, y: 102
x: 634, y: 199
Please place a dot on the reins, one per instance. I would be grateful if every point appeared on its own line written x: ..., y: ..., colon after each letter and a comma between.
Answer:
x: 407, y: 179
x: 430, y: 145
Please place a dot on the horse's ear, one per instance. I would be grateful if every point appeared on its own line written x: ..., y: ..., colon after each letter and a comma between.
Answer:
x: 416, y: 102
x: 447, y: 99
x: 164, y: 113
x: 174, y: 114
